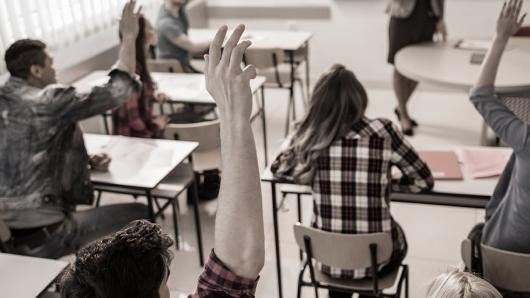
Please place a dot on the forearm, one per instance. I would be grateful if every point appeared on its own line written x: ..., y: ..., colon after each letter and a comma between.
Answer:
x: 127, y: 55
x: 200, y: 47
x: 239, y: 235
x: 491, y: 63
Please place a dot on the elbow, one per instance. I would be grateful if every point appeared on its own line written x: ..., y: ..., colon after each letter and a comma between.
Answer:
x: 250, y: 263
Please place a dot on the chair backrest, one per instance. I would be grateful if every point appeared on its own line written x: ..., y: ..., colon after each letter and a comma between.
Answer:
x: 164, y: 65
x: 506, y: 270
x: 523, y: 32
x: 519, y: 104
x: 264, y: 58
x: 198, y: 14
x: 345, y: 251
x: 466, y: 249
x: 206, y: 133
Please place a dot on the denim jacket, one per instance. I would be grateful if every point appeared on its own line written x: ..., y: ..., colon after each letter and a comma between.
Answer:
x: 43, y: 160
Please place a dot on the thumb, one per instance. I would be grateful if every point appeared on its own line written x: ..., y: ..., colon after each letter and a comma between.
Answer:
x: 249, y: 72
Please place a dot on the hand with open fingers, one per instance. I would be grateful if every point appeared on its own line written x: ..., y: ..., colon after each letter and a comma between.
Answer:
x: 129, y: 26
x: 226, y: 81
x: 510, y: 19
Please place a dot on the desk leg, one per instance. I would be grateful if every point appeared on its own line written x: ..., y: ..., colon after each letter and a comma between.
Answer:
x: 264, y: 125
x: 276, y: 238
x: 291, y: 96
x: 195, y: 197
x: 307, y: 75
x: 150, y: 205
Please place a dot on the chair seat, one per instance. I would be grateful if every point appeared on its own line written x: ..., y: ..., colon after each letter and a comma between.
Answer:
x: 296, y: 189
x: 170, y: 187
x: 385, y: 282
x: 207, y: 160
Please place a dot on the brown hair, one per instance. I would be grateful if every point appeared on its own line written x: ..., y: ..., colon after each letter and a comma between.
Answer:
x: 339, y: 100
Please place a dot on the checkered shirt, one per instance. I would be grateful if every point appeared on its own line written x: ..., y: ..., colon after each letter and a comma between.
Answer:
x: 217, y: 280
x: 353, y: 182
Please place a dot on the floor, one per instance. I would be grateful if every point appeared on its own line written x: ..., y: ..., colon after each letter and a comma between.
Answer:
x: 434, y: 233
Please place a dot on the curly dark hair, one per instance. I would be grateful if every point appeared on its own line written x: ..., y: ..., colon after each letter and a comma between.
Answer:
x: 22, y: 54
x: 130, y: 263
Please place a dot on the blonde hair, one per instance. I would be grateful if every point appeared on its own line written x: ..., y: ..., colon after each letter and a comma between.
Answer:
x: 459, y: 284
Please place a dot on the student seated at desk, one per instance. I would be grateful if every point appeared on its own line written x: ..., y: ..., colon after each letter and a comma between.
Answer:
x: 135, y: 261
x: 135, y: 117
x: 173, y: 41
x: 347, y: 159
x: 507, y: 224
x: 43, y: 161
x: 459, y: 284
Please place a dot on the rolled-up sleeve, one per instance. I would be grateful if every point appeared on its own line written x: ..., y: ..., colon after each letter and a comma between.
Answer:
x: 217, y: 280
x: 510, y: 129
x: 71, y: 106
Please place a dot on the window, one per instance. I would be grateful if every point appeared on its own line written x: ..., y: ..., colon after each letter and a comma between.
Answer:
x: 60, y: 23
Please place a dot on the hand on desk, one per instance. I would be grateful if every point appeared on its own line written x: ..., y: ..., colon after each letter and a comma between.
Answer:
x: 161, y: 97
x: 161, y: 121
x: 100, y: 162
x: 441, y: 31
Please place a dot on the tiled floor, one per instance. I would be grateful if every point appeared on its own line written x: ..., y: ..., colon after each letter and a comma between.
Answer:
x: 434, y: 233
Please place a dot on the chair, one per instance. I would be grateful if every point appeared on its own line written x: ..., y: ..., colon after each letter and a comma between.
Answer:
x: 505, y: 270
x: 207, y: 133
x: 5, y: 236
x: 270, y: 64
x: 348, y: 251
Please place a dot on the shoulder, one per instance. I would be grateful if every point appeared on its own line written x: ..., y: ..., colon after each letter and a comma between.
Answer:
x: 367, y: 127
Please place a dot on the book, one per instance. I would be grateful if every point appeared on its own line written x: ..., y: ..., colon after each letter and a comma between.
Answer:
x: 444, y: 165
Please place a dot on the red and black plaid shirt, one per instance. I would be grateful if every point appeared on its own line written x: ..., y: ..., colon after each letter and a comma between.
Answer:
x: 353, y: 182
x: 218, y: 281
x: 135, y: 117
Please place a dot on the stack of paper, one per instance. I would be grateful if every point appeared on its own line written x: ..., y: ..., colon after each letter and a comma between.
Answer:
x: 484, y: 163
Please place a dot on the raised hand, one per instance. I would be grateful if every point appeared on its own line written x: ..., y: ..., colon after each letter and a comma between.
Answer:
x: 226, y: 81
x: 509, y: 19
x: 129, y: 26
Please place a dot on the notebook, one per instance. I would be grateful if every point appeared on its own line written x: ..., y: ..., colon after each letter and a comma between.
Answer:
x: 443, y: 164
x: 484, y: 163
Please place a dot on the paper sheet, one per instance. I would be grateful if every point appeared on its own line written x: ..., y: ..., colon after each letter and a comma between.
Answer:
x: 484, y: 163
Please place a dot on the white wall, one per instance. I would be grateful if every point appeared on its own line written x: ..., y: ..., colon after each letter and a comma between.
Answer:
x: 357, y: 34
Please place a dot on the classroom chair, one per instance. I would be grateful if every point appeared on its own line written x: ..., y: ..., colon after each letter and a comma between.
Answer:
x: 505, y: 270
x: 170, y: 188
x: 348, y: 251
x: 5, y: 235
x: 270, y: 64
x: 523, y: 32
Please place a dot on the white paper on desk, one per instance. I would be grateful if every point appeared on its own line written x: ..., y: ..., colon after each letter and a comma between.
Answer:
x: 124, y: 152
x: 484, y: 163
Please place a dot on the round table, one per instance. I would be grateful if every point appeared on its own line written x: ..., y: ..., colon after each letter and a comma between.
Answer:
x: 445, y: 65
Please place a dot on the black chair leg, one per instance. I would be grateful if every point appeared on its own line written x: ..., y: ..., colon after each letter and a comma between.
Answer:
x: 98, y: 199
x: 175, y: 223
x: 299, y: 205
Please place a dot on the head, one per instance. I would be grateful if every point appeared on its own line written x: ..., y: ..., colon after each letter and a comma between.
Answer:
x: 133, y: 262
x: 338, y: 102
x: 30, y: 60
x: 458, y: 284
x: 174, y: 6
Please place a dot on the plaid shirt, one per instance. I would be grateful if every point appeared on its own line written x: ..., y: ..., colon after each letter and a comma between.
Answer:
x: 353, y: 182
x: 135, y: 117
x: 218, y: 281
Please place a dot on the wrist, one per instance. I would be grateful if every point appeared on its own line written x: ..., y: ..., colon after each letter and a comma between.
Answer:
x: 501, y: 39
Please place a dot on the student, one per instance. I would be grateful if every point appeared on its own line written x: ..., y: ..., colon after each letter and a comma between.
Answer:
x: 347, y: 159
x: 136, y: 260
x: 458, y: 284
x: 135, y: 117
x: 411, y: 22
x: 44, y: 164
x: 507, y: 226
x: 173, y: 40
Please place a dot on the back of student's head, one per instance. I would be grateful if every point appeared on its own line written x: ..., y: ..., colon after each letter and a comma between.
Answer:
x: 458, y: 284
x: 130, y: 263
x: 22, y: 54
x: 338, y: 101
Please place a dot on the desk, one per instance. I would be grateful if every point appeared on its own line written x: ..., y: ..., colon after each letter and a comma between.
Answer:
x: 469, y: 193
x: 139, y: 165
x: 289, y: 41
x: 182, y: 88
x: 27, y: 277
x: 447, y: 66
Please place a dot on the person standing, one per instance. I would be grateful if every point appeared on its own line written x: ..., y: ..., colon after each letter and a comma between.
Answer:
x: 411, y: 22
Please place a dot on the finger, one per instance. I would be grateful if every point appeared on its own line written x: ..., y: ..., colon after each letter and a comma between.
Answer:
x: 125, y: 8
x: 518, y: 8
x: 232, y: 43
x: 521, y: 21
x: 502, y: 10
x: 249, y: 72
x: 216, y: 46
x: 139, y: 11
x: 237, y: 55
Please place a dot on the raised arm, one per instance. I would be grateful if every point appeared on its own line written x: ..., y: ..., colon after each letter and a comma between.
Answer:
x: 506, y: 125
x: 239, y: 236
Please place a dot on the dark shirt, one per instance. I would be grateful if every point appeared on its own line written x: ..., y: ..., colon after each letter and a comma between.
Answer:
x: 44, y: 165
x: 169, y: 28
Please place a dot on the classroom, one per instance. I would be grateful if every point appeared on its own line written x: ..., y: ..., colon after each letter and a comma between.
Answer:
x: 264, y: 148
